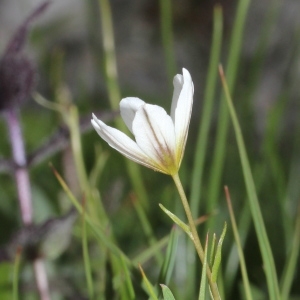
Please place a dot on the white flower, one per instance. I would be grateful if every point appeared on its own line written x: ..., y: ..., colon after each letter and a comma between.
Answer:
x: 159, y: 138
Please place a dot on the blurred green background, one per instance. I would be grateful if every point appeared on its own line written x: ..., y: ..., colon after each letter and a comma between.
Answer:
x: 70, y: 47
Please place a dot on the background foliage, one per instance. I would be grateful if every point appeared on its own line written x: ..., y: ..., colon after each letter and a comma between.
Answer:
x: 88, y: 56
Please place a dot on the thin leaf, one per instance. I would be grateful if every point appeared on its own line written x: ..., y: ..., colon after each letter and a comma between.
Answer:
x: 86, y: 258
x: 99, y: 232
x: 239, y: 247
x: 149, y: 252
x: 203, y: 283
x: 265, y: 248
x: 167, y: 293
x: 149, y: 286
x: 122, y: 282
x: 146, y: 227
x: 218, y: 256
x: 169, y: 261
x: 114, y: 94
x: 289, y: 271
x: 176, y: 220
x: 212, y: 250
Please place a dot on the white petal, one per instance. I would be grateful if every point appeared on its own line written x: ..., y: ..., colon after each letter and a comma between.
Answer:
x: 154, y: 132
x: 122, y: 143
x: 128, y: 108
x: 181, y: 110
x: 177, y: 83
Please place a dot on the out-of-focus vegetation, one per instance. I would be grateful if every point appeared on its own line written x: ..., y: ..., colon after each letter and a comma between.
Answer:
x: 134, y: 48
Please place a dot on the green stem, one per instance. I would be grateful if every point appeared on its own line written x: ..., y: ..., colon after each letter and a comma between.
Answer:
x: 114, y: 93
x: 261, y: 232
x: 248, y: 294
x: 167, y: 38
x: 196, y: 240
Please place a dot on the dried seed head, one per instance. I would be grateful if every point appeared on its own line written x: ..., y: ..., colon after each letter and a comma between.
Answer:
x: 17, y: 80
x: 17, y: 72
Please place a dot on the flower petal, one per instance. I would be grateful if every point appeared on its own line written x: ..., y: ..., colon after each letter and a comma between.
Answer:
x: 128, y: 109
x: 122, y: 143
x: 154, y: 132
x: 177, y: 83
x: 181, y: 109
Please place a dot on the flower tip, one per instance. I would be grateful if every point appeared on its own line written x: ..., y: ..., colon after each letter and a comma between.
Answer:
x: 96, y: 122
x: 186, y: 73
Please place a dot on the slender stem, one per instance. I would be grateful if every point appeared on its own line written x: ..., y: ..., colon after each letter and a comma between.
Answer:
x: 16, y: 275
x: 244, y: 272
x: 24, y: 191
x: 196, y: 240
x: 41, y: 279
x: 114, y: 92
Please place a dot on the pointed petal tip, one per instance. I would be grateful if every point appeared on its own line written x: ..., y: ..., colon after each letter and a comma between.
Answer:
x: 186, y: 73
x: 95, y: 125
x: 94, y: 117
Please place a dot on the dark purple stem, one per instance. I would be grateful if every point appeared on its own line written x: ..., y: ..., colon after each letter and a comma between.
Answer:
x: 24, y: 191
x: 19, y: 157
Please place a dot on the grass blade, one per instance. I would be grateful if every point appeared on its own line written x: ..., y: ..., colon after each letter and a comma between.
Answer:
x: 16, y: 275
x: 265, y: 248
x: 239, y: 247
x: 223, y: 119
x: 203, y: 283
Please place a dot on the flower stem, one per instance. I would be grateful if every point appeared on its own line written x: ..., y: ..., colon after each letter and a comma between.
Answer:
x: 196, y: 240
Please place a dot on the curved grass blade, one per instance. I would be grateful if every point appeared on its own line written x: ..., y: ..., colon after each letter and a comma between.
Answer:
x: 265, y: 248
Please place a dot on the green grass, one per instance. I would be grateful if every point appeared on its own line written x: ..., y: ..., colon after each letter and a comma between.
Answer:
x: 132, y: 239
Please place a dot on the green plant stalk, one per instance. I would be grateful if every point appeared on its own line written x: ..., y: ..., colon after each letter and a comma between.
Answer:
x: 290, y: 267
x: 149, y: 287
x: 122, y: 283
x: 204, y: 125
x: 239, y: 247
x: 265, y: 248
x: 125, y: 287
x: 233, y: 261
x: 274, y: 162
x: 223, y: 119
x: 205, y: 120
x: 148, y: 253
x: 202, y: 292
x: 244, y: 224
x: 147, y: 228
x: 218, y: 256
x: 196, y: 240
x: 167, y: 38
x: 16, y: 273
x: 73, y: 124
x: 266, y: 34
x: 86, y: 259
x: 115, y: 95
x: 96, y: 228
x: 170, y: 257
